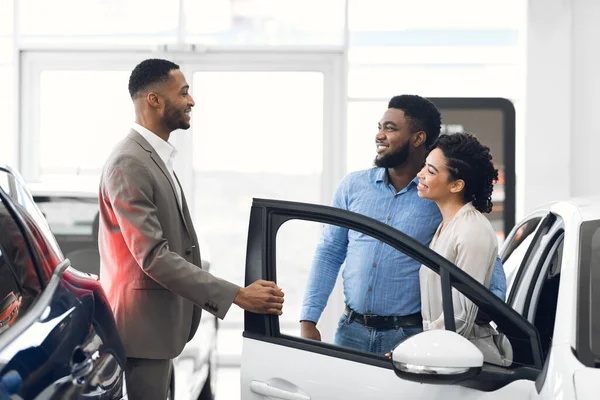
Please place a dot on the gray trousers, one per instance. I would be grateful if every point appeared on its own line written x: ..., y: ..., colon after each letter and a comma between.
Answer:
x: 147, y: 379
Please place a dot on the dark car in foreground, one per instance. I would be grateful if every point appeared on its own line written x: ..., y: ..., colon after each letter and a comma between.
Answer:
x: 58, y: 338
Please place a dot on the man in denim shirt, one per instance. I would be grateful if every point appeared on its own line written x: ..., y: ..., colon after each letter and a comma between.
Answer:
x: 380, y: 281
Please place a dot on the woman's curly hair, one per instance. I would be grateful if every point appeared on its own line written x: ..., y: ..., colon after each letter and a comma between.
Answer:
x: 471, y: 161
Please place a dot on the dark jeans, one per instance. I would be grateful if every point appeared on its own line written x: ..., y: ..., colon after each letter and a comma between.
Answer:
x: 380, y: 341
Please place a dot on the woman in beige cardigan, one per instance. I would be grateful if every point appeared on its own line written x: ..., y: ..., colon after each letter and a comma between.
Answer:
x: 459, y: 175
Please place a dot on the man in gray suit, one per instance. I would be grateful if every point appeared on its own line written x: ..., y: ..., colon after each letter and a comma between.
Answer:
x: 150, y: 260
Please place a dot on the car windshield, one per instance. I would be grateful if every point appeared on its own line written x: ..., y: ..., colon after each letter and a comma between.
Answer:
x: 589, y: 294
x: 68, y: 215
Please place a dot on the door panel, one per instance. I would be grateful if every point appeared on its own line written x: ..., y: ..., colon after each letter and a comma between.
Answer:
x: 276, y: 360
x: 304, y: 374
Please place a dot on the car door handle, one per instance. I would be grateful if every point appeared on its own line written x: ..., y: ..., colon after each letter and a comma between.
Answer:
x: 265, y: 389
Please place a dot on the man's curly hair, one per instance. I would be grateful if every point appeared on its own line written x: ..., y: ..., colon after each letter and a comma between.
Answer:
x: 471, y: 161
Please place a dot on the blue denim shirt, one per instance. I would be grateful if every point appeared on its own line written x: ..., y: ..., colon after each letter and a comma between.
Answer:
x: 377, y: 278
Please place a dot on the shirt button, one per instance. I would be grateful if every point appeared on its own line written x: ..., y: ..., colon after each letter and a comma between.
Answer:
x: 389, y: 217
x: 370, y: 289
x: 374, y: 265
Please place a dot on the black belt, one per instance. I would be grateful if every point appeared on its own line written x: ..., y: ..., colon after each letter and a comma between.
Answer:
x: 380, y: 322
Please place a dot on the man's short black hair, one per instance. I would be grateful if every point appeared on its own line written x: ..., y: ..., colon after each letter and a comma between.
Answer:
x: 149, y: 72
x: 421, y: 113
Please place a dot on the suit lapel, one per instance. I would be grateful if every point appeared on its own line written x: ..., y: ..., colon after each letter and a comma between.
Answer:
x: 161, y: 165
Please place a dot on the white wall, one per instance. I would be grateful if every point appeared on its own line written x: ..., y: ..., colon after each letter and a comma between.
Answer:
x: 562, y: 100
x: 585, y: 106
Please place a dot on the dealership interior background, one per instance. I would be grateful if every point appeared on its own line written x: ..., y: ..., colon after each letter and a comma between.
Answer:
x: 288, y: 95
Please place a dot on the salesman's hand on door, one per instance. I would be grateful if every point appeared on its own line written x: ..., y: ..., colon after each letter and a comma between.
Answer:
x: 261, y: 297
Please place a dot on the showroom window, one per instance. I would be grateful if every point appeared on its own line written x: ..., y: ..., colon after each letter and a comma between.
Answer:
x: 9, y: 146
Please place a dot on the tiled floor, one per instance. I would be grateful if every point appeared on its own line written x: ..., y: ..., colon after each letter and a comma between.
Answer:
x: 228, y: 384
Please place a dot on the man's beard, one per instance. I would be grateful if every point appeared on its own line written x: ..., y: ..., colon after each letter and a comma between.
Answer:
x: 394, y: 159
x: 174, y: 119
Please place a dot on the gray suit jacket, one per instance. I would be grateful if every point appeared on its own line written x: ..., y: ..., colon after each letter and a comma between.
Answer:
x: 150, y: 260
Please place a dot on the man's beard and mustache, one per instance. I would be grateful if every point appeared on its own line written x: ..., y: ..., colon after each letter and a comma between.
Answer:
x: 394, y: 159
x: 175, y: 118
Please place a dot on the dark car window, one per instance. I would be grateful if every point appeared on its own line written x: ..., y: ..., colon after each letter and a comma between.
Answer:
x: 26, y: 201
x: 19, y: 283
x: 13, y: 186
x: 588, y: 303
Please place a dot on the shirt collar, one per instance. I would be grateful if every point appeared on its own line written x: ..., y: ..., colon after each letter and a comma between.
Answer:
x: 165, y: 150
x: 382, y: 176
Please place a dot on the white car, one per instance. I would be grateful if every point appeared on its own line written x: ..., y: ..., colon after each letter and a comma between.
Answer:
x: 71, y: 211
x: 550, y: 325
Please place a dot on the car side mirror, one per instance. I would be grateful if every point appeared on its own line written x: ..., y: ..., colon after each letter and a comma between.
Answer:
x: 437, y: 357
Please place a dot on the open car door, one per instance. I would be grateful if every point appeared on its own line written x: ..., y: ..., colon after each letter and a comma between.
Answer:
x: 278, y: 364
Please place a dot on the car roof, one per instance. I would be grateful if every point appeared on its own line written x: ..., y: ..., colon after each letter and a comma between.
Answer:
x: 582, y: 209
x: 587, y: 207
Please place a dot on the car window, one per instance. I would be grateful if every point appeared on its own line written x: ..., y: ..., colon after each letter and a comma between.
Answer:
x: 532, y: 248
x: 588, y: 303
x: 543, y: 296
x: 516, y: 246
x: 19, y: 283
x: 303, y: 270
